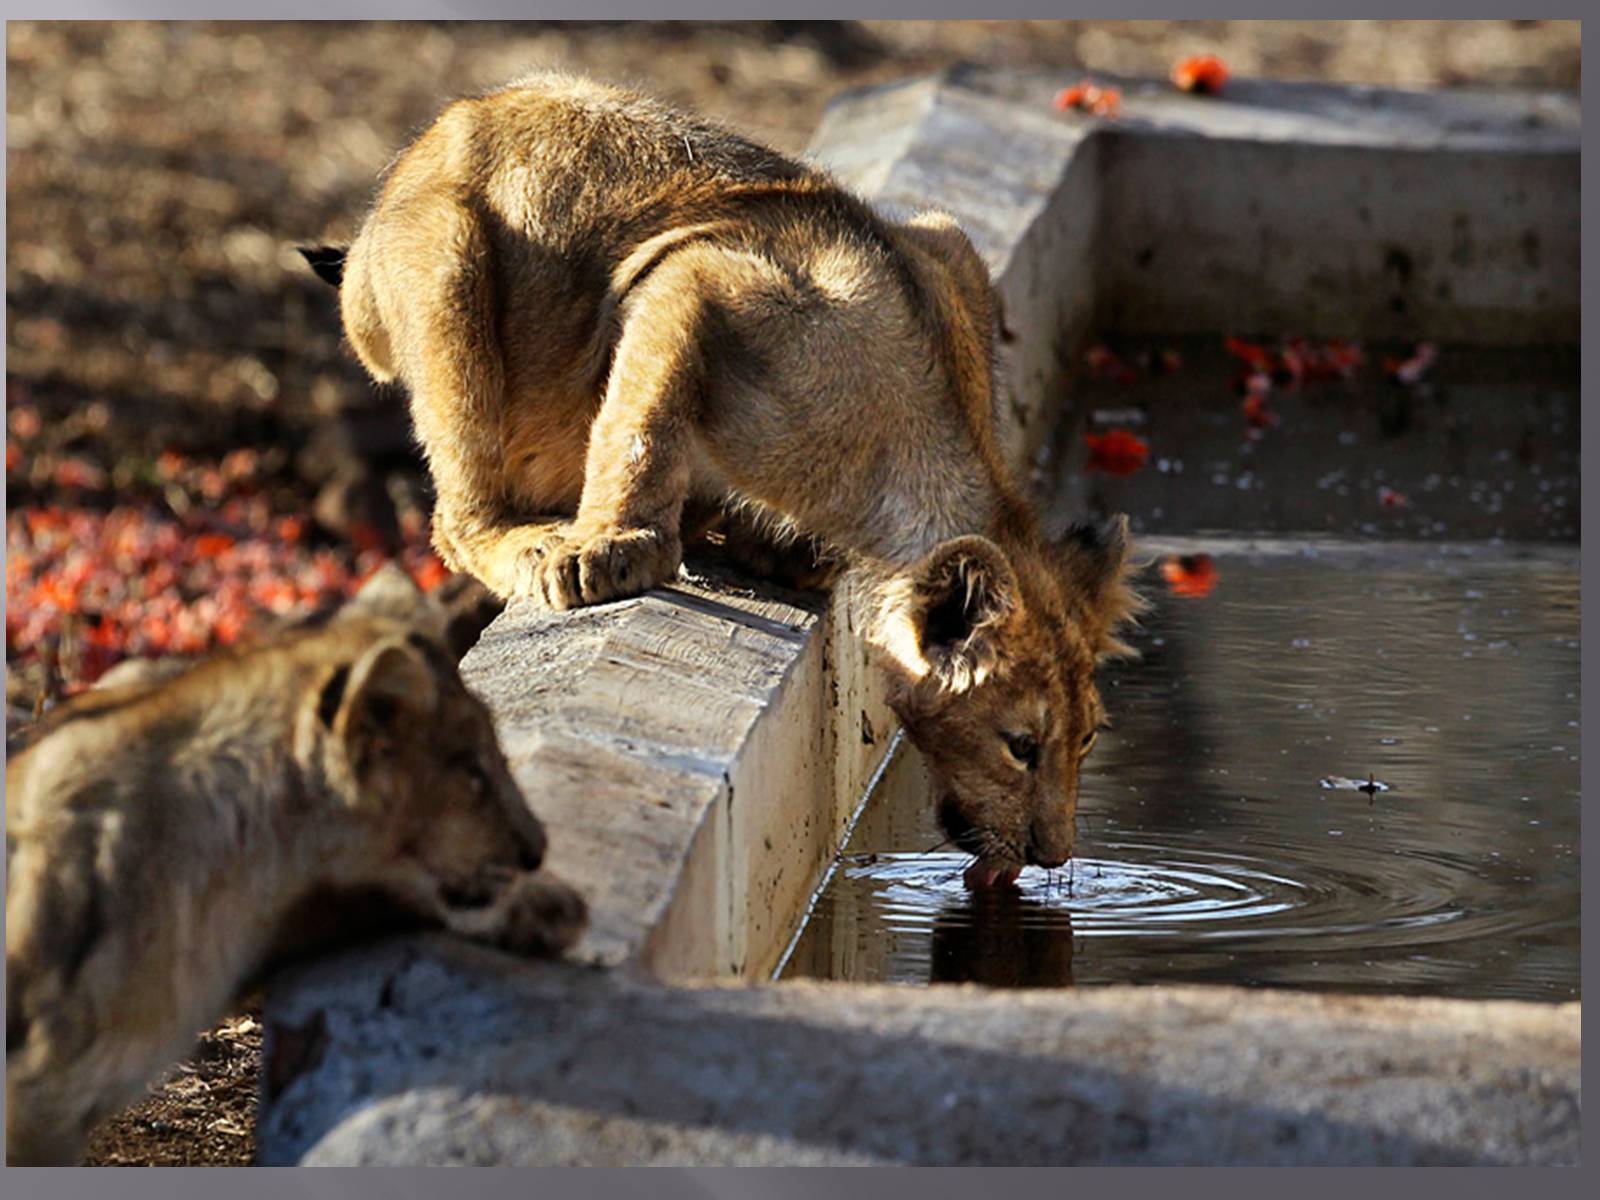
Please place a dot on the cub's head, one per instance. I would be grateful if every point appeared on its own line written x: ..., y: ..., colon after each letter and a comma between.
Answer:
x: 411, y: 755
x: 995, y: 657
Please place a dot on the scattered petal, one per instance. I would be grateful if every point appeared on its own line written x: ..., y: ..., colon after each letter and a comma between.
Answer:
x: 76, y: 473
x: 1253, y: 356
x: 210, y: 545
x: 1190, y: 575
x: 1104, y: 363
x: 1203, y: 74
x: 1116, y: 452
x: 431, y: 573
x: 1256, y: 412
x: 1411, y: 371
x: 1089, y: 97
x: 24, y: 422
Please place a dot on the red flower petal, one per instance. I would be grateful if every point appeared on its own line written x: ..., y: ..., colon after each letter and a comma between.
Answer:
x: 1203, y: 74
x: 1190, y: 575
x: 1087, y: 96
x: 1254, y: 356
x: 210, y: 545
x: 1116, y: 452
x: 1256, y: 412
x: 431, y: 573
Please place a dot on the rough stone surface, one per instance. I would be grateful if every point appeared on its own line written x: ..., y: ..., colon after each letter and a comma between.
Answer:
x: 1332, y: 211
x: 623, y: 722
x: 450, y: 1054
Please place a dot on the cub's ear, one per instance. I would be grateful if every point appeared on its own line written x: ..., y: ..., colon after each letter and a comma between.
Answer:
x: 1096, y: 563
x: 387, y: 694
x: 949, y: 608
x: 392, y: 595
x: 941, y: 235
x: 941, y: 232
x: 326, y: 261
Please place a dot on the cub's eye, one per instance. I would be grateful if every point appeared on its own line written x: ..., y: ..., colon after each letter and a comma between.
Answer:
x: 477, y: 777
x: 1024, y: 748
x: 1089, y: 740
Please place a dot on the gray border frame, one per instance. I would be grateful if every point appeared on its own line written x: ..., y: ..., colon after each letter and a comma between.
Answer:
x: 771, y: 1184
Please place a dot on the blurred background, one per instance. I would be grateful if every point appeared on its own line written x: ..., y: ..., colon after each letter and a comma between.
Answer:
x: 180, y: 409
x: 190, y: 449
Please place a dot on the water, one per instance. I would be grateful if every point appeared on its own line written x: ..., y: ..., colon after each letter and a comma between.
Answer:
x: 1210, y: 849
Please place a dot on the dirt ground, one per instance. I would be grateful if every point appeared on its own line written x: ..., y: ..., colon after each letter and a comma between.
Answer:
x: 160, y: 175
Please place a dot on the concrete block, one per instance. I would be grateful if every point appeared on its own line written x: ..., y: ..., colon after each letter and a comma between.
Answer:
x: 432, y: 1053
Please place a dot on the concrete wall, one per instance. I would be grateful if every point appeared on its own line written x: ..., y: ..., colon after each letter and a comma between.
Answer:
x: 434, y: 1053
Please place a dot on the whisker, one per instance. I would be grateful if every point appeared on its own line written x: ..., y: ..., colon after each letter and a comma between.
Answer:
x: 962, y: 869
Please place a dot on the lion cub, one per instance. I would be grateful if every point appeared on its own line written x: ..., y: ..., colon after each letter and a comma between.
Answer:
x: 169, y: 840
x: 614, y: 318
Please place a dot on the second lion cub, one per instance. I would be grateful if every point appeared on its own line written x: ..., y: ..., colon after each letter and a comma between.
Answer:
x: 173, y: 836
x: 614, y: 318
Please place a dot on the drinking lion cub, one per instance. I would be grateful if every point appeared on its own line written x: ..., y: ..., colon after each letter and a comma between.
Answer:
x: 169, y: 840
x: 614, y: 318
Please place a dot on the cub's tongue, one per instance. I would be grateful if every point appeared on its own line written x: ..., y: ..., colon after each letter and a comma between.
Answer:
x: 981, y: 875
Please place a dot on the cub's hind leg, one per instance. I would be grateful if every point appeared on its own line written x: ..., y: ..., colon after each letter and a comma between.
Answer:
x: 442, y: 293
x: 782, y: 555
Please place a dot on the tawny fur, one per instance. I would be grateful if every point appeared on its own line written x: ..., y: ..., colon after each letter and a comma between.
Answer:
x: 609, y: 314
x: 173, y: 836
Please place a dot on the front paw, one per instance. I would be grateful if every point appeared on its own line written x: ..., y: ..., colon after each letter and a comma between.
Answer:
x: 541, y: 915
x: 579, y: 570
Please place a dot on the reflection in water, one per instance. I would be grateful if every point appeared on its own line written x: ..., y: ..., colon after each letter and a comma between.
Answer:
x: 1001, y: 938
x: 1211, y: 849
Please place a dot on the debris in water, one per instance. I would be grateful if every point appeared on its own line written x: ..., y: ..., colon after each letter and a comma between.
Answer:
x: 1256, y: 413
x: 1301, y: 362
x: 1170, y: 361
x: 1254, y: 356
x: 1190, y: 575
x: 1104, y: 363
x: 1411, y: 371
x: 1116, y: 452
x: 1371, y: 785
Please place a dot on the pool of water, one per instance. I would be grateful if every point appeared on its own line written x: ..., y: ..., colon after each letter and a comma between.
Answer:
x: 1484, y: 446
x: 1224, y: 833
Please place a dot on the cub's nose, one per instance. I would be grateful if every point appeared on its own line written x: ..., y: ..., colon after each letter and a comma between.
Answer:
x: 1047, y: 851
x: 530, y: 857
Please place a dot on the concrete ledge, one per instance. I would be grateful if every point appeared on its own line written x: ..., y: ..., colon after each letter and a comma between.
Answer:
x: 448, y: 1054
x: 697, y: 752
